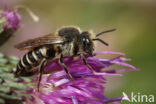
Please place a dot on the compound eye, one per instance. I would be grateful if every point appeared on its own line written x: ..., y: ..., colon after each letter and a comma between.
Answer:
x: 87, y: 40
x: 84, y: 39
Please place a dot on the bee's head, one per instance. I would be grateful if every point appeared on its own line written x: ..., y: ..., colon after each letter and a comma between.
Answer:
x: 85, y: 43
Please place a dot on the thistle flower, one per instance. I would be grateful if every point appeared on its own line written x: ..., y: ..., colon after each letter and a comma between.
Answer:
x: 9, y: 23
x: 57, y: 88
x: 12, y: 19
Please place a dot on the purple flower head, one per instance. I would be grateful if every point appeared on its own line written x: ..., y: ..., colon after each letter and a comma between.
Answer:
x: 57, y: 88
x: 9, y: 23
x: 12, y: 19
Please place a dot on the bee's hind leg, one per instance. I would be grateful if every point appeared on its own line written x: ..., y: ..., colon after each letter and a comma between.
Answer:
x: 85, y: 62
x: 65, y: 67
x: 43, y: 62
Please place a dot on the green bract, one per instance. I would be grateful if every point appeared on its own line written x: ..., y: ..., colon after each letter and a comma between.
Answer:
x: 9, y: 85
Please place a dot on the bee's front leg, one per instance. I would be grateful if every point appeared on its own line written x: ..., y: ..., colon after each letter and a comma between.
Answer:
x: 85, y: 62
x: 43, y: 62
x: 65, y: 67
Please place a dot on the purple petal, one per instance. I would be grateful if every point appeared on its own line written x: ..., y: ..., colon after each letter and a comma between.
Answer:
x: 88, y: 88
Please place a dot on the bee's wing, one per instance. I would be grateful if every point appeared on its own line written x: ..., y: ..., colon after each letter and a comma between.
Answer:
x: 44, y: 40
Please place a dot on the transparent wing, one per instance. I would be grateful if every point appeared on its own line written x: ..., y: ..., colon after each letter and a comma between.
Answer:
x: 36, y: 42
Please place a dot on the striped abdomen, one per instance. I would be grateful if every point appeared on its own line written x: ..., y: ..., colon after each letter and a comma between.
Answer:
x: 33, y: 58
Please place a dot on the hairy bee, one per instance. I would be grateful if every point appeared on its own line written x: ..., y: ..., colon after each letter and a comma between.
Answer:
x: 67, y: 41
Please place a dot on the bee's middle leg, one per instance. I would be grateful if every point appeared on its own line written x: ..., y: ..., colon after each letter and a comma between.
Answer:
x: 43, y: 62
x: 65, y: 67
x: 85, y: 62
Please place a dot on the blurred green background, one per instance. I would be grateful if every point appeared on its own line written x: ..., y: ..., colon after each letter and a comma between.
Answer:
x: 135, y: 21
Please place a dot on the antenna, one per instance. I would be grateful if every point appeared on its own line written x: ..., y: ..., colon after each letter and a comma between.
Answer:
x: 101, y: 41
x: 105, y: 32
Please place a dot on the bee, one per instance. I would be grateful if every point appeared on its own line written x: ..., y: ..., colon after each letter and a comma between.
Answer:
x: 67, y: 41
